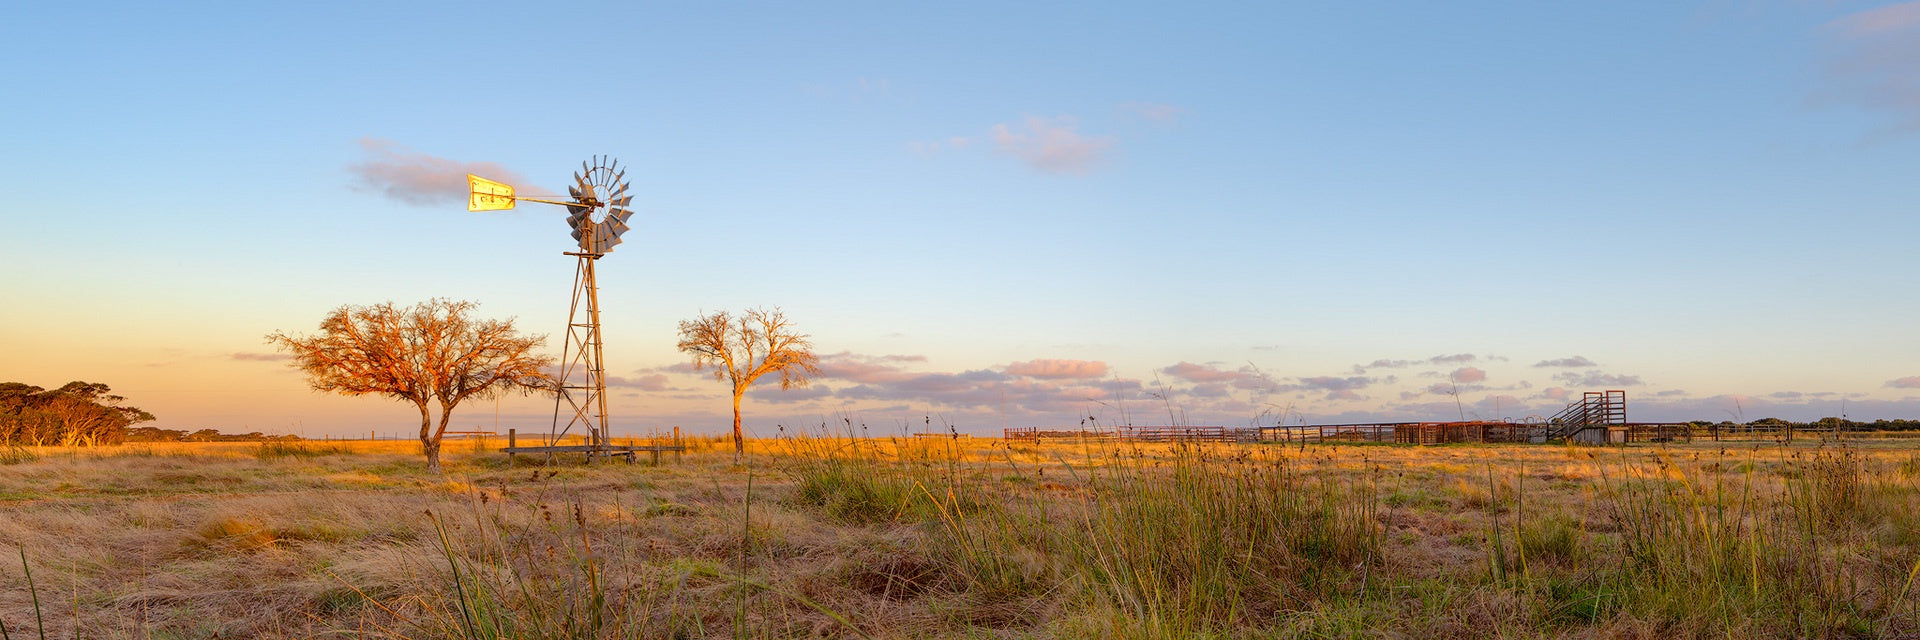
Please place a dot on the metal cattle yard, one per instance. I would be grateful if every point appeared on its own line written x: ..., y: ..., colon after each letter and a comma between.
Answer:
x: 1598, y: 417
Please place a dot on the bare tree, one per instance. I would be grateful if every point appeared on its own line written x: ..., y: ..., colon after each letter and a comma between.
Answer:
x: 430, y: 351
x: 742, y: 349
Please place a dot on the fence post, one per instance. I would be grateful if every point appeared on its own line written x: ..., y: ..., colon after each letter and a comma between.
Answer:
x: 511, y: 436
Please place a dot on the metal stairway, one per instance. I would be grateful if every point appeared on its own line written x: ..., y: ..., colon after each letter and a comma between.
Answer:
x: 1594, y: 410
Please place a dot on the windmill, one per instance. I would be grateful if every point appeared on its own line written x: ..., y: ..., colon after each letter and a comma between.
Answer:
x: 597, y: 212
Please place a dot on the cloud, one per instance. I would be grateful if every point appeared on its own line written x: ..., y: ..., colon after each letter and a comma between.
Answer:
x: 853, y: 367
x: 1040, y: 385
x: 1555, y: 393
x: 417, y: 178
x: 1575, y: 361
x: 684, y: 367
x: 773, y: 394
x: 1468, y: 374
x: 1873, y: 62
x: 1597, y: 379
x: 648, y: 382
x: 1892, y: 18
x: 274, y: 357
x: 1247, y: 377
x: 1053, y: 145
x: 1384, y: 363
x: 1210, y: 390
x: 1200, y: 373
x: 1909, y: 382
x: 1332, y: 383
x: 1160, y: 114
x: 1059, y: 369
x: 982, y: 388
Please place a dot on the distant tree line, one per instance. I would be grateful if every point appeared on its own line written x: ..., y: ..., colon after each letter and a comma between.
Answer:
x: 1823, y: 424
x: 156, y: 434
x: 76, y: 414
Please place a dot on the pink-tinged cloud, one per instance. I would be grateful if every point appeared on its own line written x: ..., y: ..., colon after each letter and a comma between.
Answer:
x: 1344, y: 394
x: 1554, y: 393
x: 1575, y: 361
x: 773, y: 394
x: 262, y: 357
x: 1909, y: 382
x: 1041, y: 385
x: 1210, y: 390
x: 1246, y: 377
x: 420, y: 179
x: 1200, y: 373
x: 991, y: 390
x: 854, y: 367
x: 1468, y: 374
x: 1873, y: 62
x: 686, y: 368
x: 1053, y: 145
x: 1890, y: 18
x: 648, y: 382
x: 1059, y: 369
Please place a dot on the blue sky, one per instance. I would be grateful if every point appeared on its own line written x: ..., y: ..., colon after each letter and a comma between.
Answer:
x: 992, y: 213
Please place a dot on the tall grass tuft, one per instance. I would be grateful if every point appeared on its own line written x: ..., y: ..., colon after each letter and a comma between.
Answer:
x: 40, y: 622
x: 1204, y: 541
x: 1721, y: 554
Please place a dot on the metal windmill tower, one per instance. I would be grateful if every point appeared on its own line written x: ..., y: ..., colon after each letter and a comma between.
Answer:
x: 597, y: 213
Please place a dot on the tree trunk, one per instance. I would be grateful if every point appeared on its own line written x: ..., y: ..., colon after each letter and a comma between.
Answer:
x: 428, y: 443
x: 446, y: 416
x: 739, y: 441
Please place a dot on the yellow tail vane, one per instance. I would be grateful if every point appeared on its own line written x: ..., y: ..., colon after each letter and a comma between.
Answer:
x: 487, y: 195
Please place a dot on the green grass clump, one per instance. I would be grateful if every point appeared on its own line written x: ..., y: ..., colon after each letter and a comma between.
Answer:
x: 853, y: 493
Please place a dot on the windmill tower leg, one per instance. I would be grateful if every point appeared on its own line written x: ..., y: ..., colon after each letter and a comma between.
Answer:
x: 596, y: 369
x: 582, y: 398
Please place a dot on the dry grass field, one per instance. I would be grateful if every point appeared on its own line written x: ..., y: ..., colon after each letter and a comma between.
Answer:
x: 965, y: 538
